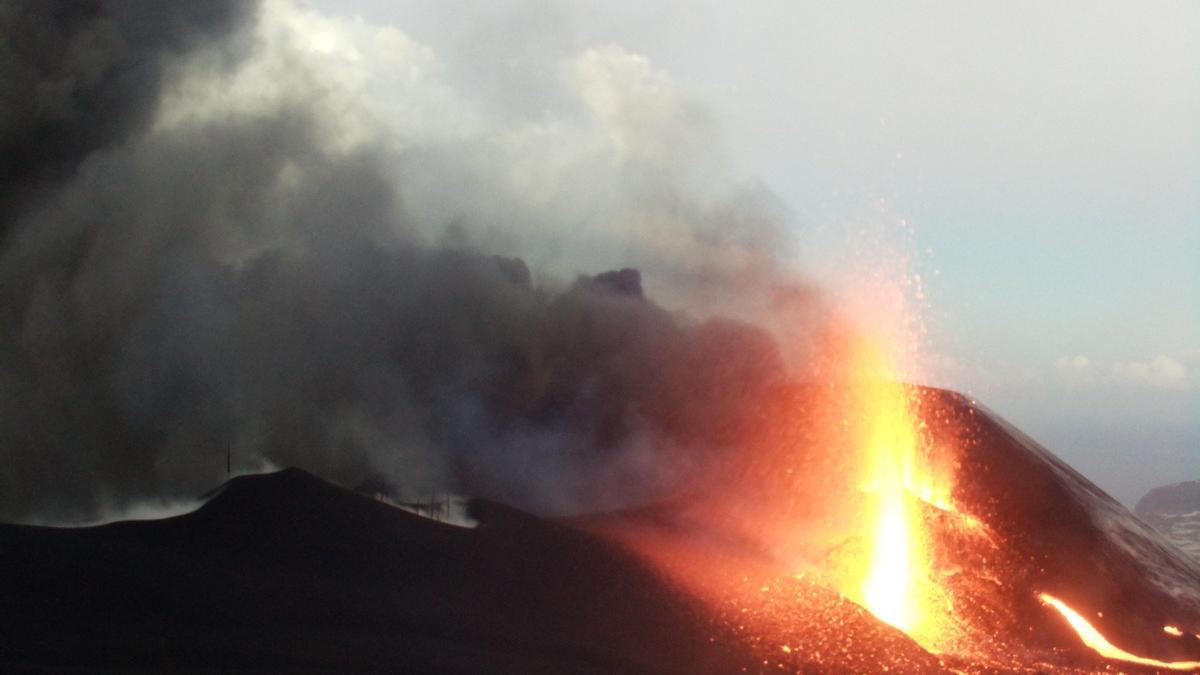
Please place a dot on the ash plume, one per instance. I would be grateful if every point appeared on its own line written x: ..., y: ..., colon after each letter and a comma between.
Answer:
x: 258, y: 230
x: 82, y: 75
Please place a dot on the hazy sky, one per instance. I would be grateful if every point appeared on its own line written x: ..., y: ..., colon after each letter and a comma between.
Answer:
x: 1045, y: 156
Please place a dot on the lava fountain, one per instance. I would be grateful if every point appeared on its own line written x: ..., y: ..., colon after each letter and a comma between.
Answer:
x: 855, y: 505
x: 894, y: 578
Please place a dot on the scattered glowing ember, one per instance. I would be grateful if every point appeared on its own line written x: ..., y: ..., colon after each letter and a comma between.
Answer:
x: 1098, y: 643
x: 1172, y: 630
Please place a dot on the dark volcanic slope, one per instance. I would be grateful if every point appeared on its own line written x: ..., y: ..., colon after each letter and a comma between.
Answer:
x: 1059, y: 533
x: 1042, y: 528
x: 286, y: 571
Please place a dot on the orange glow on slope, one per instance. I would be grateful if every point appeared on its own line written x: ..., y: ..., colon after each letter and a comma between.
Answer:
x: 1098, y: 643
x: 896, y: 583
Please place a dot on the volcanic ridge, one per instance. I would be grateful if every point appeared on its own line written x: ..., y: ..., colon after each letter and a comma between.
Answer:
x: 286, y: 572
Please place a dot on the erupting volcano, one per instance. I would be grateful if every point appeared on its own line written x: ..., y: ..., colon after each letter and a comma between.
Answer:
x: 446, y: 337
x: 901, y: 574
x: 929, y: 512
x: 847, y: 522
x: 877, y: 563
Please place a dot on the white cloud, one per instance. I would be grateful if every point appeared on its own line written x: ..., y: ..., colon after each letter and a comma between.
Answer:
x: 1161, y: 371
x: 1179, y: 372
x: 1073, y: 364
x: 1075, y: 370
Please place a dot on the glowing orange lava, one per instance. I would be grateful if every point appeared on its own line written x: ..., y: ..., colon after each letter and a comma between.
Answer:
x: 1098, y: 643
x: 896, y: 582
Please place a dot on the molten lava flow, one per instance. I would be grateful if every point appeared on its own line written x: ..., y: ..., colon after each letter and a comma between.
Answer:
x: 1097, y: 642
x: 896, y: 584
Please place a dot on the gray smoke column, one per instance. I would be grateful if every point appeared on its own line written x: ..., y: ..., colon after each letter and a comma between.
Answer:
x: 221, y: 229
x: 81, y: 75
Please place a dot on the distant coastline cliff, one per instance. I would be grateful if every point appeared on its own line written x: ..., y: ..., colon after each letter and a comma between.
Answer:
x: 1174, y: 510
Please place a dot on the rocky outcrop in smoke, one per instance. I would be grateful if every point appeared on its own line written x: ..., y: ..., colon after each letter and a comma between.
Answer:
x: 215, y: 239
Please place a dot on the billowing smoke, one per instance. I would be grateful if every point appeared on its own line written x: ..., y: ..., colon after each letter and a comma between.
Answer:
x: 296, y: 239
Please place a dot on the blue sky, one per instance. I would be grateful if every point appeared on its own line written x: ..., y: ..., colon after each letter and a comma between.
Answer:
x: 1045, y: 155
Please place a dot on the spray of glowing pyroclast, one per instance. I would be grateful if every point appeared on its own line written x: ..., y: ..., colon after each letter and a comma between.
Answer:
x: 900, y: 479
